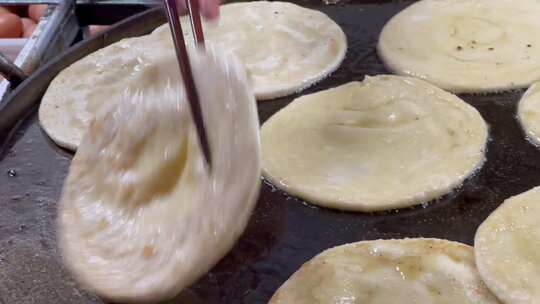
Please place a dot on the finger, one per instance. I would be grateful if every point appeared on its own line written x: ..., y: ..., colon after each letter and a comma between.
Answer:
x: 209, y: 8
x: 182, y: 8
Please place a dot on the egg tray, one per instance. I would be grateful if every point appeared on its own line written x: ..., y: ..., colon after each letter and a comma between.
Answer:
x: 284, y: 232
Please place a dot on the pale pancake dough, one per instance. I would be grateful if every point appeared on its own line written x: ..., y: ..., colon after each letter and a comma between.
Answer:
x: 388, y: 272
x: 78, y: 92
x: 507, y: 249
x: 466, y: 46
x: 387, y: 142
x: 529, y: 113
x: 285, y: 47
x: 140, y: 217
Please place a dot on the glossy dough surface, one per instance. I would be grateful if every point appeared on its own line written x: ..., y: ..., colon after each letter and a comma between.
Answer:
x: 285, y: 47
x: 387, y: 142
x: 466, y: 45
x: 388, y: 272
x: 507, y: 249
x: 79, y: 91
x: 140, y: 217
x: 529, y: 113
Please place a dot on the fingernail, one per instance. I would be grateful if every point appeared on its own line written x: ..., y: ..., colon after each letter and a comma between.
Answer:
x: 210, y: 8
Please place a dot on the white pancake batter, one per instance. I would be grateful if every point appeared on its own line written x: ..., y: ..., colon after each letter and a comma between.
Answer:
x: 387, y: 142
x: 140, y: 217
x: 466, y: 46
x: 388, y: 272
x: 79, y: 91
x: 529, y: 113
x: 285, y: 47
x: 507, y: 249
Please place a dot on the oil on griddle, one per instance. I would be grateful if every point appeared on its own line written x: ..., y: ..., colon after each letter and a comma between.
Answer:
x: 284, y: 232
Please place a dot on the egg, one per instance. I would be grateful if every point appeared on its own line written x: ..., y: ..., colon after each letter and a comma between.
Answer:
x: 36, y: 11
x: 10, y: 26
x: 28, y: 27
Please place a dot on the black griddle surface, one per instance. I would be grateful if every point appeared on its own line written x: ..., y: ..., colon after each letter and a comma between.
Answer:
x: 284, y: 232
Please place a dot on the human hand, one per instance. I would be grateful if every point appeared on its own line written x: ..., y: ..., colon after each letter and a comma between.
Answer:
x: 209, y: 8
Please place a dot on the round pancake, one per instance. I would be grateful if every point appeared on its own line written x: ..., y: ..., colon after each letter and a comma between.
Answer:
x: 79, y: 91
x: 141, y: 217
x: 529, y: 113
x: 284, y: 47
x: 465, y: 46
x: 506, y: 248
x: 388, y: 272
x: 387, y: 142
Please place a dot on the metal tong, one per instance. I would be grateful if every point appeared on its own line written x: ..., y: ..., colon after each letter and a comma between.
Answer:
x: 11, y: 72
x: 185, y: 67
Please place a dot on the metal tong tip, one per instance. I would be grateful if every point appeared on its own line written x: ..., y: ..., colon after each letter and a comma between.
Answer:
x: 185, y: 67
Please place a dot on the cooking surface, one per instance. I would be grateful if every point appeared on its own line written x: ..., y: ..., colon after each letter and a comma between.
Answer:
x: 284, y: 232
